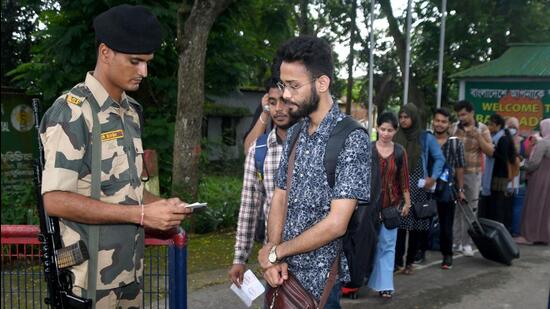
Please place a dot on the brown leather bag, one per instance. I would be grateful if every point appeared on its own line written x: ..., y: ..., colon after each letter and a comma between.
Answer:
x: 290, y: 295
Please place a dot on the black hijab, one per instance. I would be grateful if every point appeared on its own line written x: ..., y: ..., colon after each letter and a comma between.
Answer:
x: 410, y: 137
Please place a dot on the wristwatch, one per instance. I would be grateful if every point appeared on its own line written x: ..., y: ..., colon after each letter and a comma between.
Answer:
x: 272, y: 257
x: 266, y: 108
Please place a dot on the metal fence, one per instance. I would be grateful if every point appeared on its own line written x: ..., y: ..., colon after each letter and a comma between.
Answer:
x: 23, y: 285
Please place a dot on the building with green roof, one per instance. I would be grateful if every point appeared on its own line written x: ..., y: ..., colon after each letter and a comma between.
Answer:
x: 515, y: 84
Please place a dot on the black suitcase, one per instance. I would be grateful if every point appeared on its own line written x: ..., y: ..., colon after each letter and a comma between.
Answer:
x: 492, y: 239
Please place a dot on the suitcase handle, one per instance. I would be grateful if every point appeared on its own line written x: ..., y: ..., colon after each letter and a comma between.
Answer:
x: 471, y: 218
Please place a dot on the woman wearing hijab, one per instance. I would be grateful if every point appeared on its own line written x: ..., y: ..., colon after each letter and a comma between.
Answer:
x: 423, y: 151
x: 535, y: 221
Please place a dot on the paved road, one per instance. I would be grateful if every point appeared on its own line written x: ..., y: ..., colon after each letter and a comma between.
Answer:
x: 472, y: 283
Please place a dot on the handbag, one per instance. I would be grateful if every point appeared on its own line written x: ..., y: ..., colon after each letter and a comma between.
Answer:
x: 391, y: 217
x: 290, y: 295
x: 427, y: 209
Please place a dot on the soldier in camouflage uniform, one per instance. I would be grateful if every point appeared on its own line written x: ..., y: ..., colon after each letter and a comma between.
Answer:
x: 127, y: 37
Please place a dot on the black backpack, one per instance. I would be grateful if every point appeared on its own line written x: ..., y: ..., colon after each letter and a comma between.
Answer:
x: 362, y: 232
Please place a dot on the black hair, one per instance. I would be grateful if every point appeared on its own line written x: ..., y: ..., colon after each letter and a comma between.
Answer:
x: 271, y: 83
x: 443, y: 111
x: 497, y: 119
x: 464, y: 104
x: 387, y: 117
x: 314, y: 53
x: 511, y: 148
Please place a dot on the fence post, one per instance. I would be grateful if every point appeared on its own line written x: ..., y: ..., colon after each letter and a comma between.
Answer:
x: 177, y: 266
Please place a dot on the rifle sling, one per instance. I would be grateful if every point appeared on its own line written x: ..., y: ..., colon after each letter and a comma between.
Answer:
x: 93, y: 229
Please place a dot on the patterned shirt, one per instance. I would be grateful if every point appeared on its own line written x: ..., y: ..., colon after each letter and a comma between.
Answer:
x: 310, y: 195
x: 453, y: 150
x: 256, y: 193
x: 66, y: 135
x: 472, y: 150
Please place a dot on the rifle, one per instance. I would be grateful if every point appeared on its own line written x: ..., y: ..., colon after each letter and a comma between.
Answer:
x: 55, y: 258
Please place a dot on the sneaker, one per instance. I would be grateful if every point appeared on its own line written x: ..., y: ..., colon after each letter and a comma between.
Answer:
x: 447, y: 262
x: 420, y: 257
x: 467, y: 250
x: 457, y: 248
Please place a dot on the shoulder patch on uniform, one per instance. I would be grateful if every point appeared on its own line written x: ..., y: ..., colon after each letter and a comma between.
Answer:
x: 74, y: 100
x: 112, y: 135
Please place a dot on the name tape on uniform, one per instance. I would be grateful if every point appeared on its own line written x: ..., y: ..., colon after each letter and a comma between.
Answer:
x: 111, y: 135
x: 73, y: 100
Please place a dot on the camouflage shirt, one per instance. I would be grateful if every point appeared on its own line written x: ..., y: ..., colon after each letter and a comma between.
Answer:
x: 66, y: 135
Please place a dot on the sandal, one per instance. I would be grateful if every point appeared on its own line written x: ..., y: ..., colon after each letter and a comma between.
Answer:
x: 398, y: 269
x: 386, y: 294
x: 408, y: 270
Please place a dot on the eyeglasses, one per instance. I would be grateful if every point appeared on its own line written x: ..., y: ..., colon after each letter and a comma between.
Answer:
x: 292, y: 86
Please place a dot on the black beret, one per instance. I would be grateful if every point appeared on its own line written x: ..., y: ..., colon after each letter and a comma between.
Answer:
x: 128, y: 29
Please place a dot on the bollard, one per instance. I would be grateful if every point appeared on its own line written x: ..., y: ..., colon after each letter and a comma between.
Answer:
x: 177, y: 265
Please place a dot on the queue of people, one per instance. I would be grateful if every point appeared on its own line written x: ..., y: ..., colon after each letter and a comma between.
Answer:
x: 306, y: 218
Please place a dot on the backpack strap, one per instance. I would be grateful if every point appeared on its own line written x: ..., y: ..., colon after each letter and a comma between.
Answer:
x: 336, y: 143
x: 260, y: 152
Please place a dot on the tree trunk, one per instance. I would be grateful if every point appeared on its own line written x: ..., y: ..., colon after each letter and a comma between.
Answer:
x: 349, y: 95
x: 415, y: 95
x: 193, y: 25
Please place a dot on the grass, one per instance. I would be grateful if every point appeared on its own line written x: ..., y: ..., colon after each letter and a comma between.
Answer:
x: 213, y: 251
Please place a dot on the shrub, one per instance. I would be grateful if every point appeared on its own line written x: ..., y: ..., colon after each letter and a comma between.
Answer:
x: 19, y: 207
x: 223, y: 195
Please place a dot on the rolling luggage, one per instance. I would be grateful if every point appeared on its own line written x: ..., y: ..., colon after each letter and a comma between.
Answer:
x: 491, y: 237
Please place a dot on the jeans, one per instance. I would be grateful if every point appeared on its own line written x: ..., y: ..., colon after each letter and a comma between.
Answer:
x: 333, y: 301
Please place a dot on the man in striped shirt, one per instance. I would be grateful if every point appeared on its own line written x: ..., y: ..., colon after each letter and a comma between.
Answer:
x: 477, y: 142
x: 258, y: 190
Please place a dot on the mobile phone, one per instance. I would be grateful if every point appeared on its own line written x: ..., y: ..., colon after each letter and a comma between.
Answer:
x: 197, y: 205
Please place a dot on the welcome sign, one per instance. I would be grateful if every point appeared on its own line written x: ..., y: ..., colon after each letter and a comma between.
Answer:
x: 528, y: 101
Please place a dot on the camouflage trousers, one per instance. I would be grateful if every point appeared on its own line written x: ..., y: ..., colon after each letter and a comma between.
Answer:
x: 127, y: 297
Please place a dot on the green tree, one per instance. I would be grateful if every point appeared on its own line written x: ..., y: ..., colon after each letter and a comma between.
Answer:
x: 18, y: 23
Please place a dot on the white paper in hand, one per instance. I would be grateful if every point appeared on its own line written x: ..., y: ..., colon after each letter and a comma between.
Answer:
x: 250, y: 289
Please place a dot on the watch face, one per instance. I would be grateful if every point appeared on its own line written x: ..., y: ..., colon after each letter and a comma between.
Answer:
x: 272, y: 257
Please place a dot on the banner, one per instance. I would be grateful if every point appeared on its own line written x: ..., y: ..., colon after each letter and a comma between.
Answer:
x: 18, y: 142
x: 529, y: 101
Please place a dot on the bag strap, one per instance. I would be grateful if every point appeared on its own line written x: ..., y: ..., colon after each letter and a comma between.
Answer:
x: 93, y: 229
x: 330, y: 282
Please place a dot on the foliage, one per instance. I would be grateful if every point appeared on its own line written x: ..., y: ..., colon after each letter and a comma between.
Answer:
x: 19, y: 208
x: 476, y: 32
x: 220, y: 110
x: 222, y: 193
x: 18, y: 25
x: 159, y: 135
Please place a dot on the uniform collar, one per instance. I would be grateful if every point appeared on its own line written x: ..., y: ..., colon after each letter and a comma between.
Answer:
x: 101, y: 95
